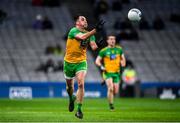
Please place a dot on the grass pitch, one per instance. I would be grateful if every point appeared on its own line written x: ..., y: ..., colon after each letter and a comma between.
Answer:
x: 95, y: 110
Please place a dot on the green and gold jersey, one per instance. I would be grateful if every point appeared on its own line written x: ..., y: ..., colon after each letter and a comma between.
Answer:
x: 111, y: 58
x: 76, y: 49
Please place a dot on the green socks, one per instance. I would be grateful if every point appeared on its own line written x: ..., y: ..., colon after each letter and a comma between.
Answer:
x: 79, y: 105
x: 71, y: 98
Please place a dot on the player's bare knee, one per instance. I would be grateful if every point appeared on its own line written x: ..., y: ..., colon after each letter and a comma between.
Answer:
x: 110, y: 89
x: 80, y: 85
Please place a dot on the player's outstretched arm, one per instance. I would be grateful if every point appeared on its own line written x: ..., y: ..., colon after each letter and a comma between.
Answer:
x: 84, y: 36
x: 98, y: 27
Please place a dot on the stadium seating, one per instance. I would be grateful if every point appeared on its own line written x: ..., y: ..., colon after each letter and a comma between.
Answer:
x: 157, y: 53
x: 156, y: 56
x: 22, y: 48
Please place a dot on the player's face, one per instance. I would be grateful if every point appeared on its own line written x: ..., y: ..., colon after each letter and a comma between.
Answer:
x: 111, y: 41
x: 82, y: 22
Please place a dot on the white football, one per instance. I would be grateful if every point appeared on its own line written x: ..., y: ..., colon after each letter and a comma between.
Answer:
x: 134, y: 14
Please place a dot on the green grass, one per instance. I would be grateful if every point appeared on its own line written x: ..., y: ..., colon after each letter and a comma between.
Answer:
x: 47, y: 110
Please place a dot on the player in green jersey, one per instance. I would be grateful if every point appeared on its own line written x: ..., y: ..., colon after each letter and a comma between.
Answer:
x: 75, y: 64
x: 110, y: 60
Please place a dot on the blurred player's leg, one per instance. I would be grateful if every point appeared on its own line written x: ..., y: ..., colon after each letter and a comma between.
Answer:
x: 80, y: 92
x: 70, y: 90
x: 110, y: 94
x: 116, y: 88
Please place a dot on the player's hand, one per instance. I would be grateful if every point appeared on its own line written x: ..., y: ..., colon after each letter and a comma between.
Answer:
x: 99, y: 25
x: 102, y: 68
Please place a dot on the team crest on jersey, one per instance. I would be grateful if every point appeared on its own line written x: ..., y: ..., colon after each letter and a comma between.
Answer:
x: 112, y: 56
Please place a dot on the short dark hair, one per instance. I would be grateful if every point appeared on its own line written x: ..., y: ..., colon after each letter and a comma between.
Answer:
x: 76, y: 17
x: 111, y: 34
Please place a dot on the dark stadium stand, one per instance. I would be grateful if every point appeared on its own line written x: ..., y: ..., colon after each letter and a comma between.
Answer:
x: 155, y: 54
x: 23, y: 48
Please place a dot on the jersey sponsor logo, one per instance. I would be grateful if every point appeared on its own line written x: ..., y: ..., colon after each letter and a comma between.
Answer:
x: 112, y: 56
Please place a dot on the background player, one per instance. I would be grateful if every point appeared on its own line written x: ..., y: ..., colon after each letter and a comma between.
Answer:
x: 110, y: 60
x: 75, y: 64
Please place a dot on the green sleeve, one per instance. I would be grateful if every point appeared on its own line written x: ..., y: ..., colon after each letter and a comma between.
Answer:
x: 101, y: 53
x: 92, y: 38
x: 73, y: 32
x: 121, y: 51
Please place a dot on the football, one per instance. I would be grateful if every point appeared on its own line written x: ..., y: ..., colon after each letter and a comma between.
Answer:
x: 134, y: 14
